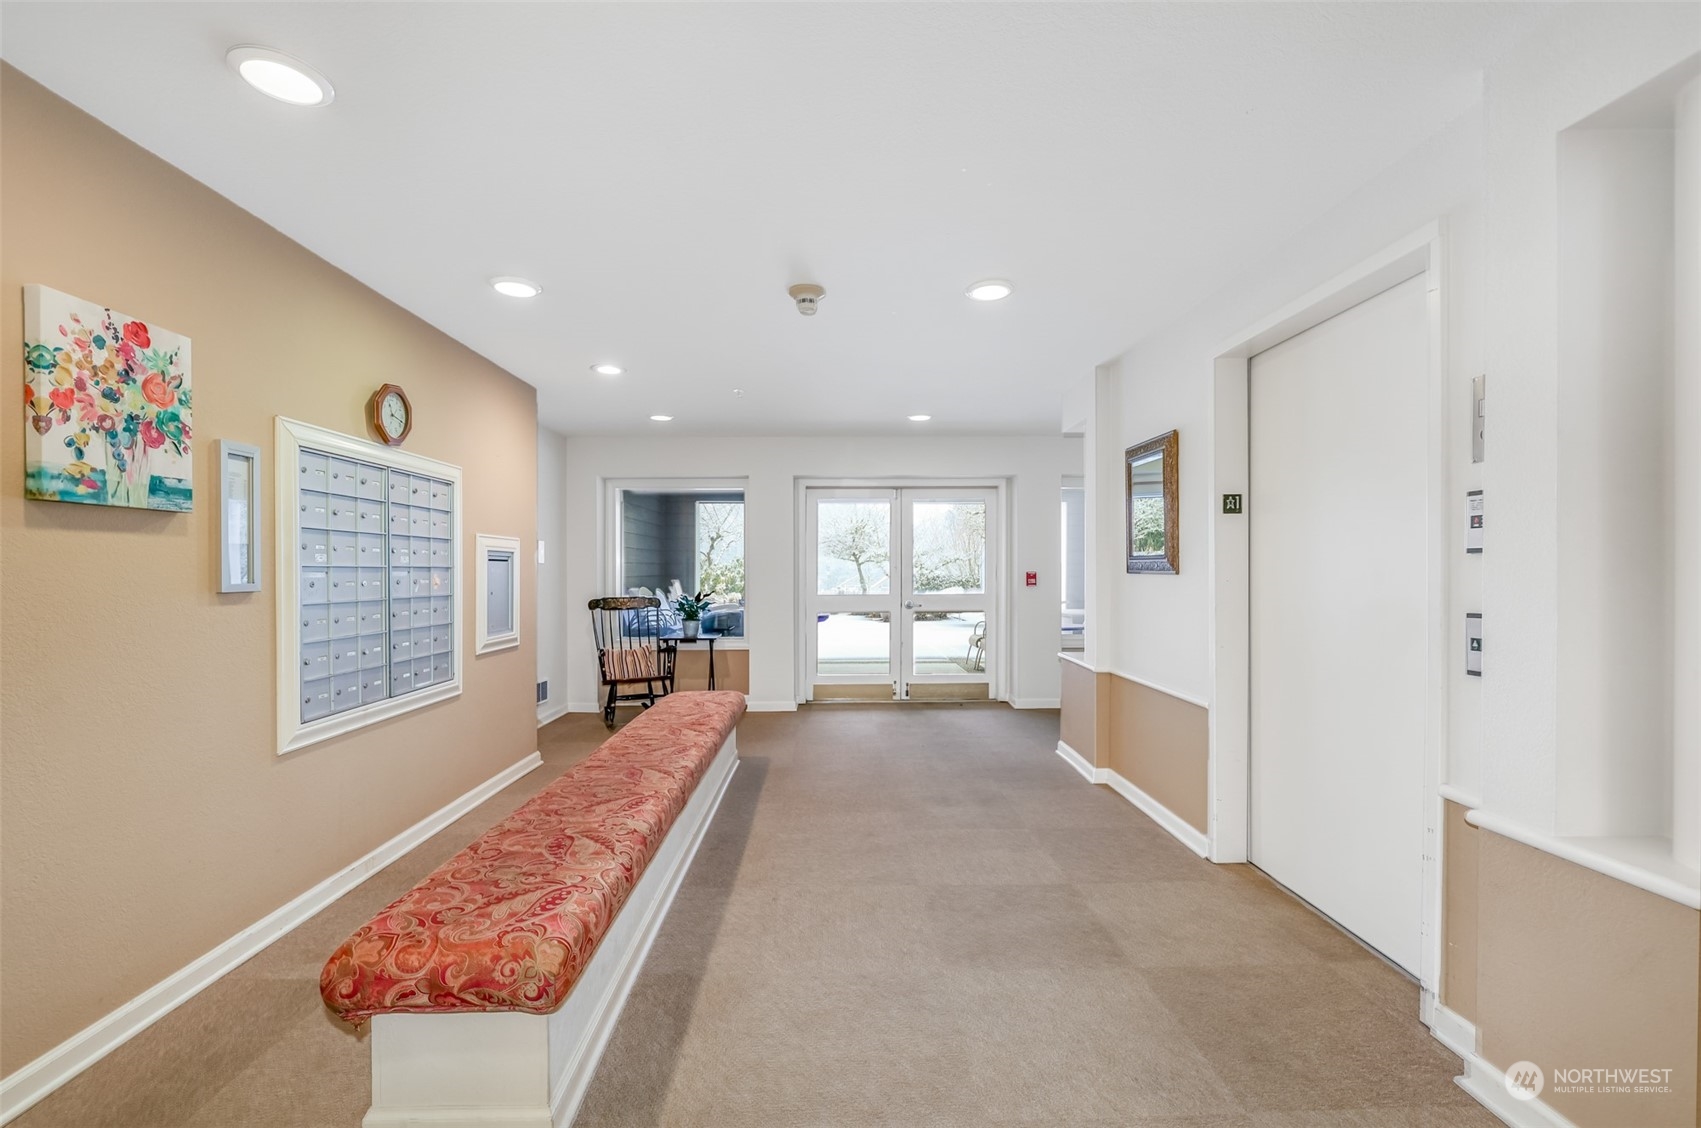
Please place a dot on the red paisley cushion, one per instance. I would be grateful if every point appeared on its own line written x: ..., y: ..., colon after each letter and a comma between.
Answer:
x: 509, y: 923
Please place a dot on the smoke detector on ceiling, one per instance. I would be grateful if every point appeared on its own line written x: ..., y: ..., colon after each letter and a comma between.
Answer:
x: 806, y: 295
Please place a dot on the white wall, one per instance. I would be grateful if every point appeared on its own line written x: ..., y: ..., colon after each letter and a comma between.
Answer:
x: 1583, y: 59
x: 1615, y: 545
x: 1686, y: 479
x: 1107, y: 530
x: 1033, y: 467
x: 1490, y: 179
x: 1156, y: 628
x: 552, y: 574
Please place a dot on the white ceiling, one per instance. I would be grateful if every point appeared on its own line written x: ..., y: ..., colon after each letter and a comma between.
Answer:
x: 666, y: 171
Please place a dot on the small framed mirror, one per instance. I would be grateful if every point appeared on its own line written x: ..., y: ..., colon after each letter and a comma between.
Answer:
x: 239, y: 516
x: 1154, y: 503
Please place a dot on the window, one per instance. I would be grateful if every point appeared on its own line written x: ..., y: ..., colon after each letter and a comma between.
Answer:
x: 369, y: 569
x: 1074, y: 565
x: 682, y: 539
x: 720, y: 548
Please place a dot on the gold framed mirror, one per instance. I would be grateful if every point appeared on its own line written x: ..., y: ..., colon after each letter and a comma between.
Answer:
x: 1153, y: 479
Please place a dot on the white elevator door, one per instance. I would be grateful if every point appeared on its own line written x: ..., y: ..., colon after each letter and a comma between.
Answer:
x: 1338, y: 600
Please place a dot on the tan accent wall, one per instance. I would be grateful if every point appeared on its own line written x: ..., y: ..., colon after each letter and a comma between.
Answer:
x: 948, y: 691
x: 1079, y: 714
x: 1101, y: 728
x: 732, y: 669
x: 834, y: 691
x: 1160, y: 744
x: 1577, y: 969
x: 1459, y: 913
x: 145, y: 816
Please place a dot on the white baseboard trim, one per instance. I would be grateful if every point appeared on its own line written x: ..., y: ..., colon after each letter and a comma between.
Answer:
x: 48, y: 1072
x: 750, y: 705
x: 1488, y: 1085
x: 1036, y: 703
x: 547, y: 713
x: 1450, y: 1028
x: 1079, y: 762
x: 1195, y: 840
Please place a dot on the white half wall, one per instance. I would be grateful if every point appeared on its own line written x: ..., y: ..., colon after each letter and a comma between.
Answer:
x: 551, y: 572
x: 1033, y: 469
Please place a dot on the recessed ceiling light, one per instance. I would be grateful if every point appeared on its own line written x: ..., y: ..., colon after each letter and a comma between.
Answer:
x: 277, y: 75
x: 989, y: 290
x: 607, y: 369
x: 920, y: 418
x: 516, y: 287
x: 661, y: 419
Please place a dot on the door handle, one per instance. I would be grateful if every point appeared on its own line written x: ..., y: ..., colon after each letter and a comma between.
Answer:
x: 909, y: 606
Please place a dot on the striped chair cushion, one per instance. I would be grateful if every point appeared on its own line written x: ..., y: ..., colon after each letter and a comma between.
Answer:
x: 629, y: 665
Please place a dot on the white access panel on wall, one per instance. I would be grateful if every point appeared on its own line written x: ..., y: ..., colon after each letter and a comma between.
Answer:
x: 1339, y: 603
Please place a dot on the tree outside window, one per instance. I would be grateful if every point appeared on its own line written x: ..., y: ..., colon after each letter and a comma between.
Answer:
x: 720, y: 548
x: 949, y: 546
x: 854, y: 547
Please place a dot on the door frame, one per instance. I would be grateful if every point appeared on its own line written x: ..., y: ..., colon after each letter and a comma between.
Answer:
x: 1229, y: 561
x: 999, y: 598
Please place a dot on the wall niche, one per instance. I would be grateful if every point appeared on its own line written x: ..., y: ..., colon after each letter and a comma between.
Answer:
x: 1629, y: 490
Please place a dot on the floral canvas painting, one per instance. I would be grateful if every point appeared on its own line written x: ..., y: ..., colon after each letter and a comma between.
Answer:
x: 108, y: 402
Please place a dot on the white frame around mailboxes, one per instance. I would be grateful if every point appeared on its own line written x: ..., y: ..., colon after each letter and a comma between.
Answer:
x: 292, y: 435
x: 486, y: 544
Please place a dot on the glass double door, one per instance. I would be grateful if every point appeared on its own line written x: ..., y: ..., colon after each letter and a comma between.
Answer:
x: 900, y: 594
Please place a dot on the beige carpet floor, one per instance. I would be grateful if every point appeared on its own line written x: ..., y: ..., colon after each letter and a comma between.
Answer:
x: 903, y: 915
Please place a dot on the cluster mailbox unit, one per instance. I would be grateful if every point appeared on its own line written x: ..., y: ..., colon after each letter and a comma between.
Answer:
x: 371, y: 581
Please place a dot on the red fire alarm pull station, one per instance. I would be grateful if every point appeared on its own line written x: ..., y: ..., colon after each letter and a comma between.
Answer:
x: 1033, y: 579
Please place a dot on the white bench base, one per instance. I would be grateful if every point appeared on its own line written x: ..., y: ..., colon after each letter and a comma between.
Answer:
x: 478, y: 1070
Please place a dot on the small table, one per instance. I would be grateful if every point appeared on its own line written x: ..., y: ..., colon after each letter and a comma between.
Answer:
x: 709, y: 637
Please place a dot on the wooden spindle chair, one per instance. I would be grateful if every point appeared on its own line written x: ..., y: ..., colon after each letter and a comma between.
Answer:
x: 632, y: 660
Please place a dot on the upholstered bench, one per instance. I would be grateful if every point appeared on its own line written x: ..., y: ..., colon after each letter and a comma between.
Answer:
x: 493, y: 985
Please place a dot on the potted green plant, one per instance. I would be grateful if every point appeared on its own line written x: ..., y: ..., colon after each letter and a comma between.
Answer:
x: 691, y: 608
